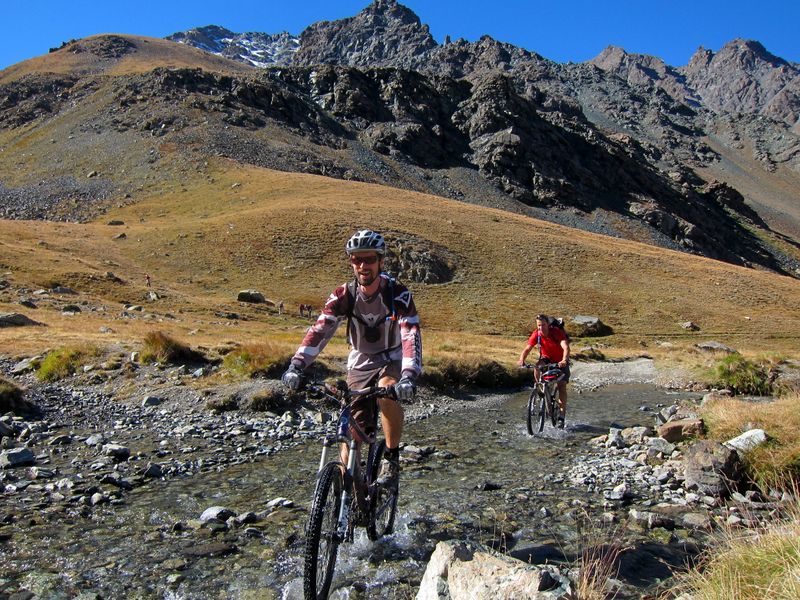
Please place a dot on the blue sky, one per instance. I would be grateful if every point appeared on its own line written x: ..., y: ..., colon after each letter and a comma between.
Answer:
x: 576, y: 30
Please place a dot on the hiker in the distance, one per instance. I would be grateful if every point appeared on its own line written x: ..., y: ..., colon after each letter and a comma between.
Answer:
x: 553, y: 345
x: 383, y: 331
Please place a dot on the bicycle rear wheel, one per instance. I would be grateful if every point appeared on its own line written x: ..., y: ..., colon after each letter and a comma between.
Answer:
x: 531, y: 411
x: 382, y: 502
x: 322, y: 541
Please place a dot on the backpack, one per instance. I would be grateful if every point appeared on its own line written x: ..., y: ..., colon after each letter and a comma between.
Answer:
x: 352, y: 288
x: 558, y: 323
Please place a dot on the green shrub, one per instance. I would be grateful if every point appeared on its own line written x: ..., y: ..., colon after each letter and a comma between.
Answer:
x: 161, y: 348
x: 742, y: 376
x: 65, y: 361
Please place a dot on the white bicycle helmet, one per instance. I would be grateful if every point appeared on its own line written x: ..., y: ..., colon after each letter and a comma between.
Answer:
x: 366, y: 239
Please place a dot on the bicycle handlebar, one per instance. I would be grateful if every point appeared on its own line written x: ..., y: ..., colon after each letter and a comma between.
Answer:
x: 352, y: 395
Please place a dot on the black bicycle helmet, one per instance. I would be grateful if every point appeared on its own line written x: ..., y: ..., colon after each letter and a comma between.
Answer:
x: 364, y: 240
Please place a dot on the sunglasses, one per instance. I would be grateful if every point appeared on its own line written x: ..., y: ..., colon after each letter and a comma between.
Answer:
x: 364, y: 260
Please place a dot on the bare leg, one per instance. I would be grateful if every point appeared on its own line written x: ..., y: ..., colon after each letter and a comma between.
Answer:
x: 391, y: 416
x: 562, y: 397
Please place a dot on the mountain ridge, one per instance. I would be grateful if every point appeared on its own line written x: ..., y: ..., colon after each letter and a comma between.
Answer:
x: 484, y: 122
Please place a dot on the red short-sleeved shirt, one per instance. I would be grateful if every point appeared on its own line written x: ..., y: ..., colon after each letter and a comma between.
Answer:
x: 550, y: 344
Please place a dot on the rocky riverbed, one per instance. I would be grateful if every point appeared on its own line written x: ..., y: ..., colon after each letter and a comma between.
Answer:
x: 143, y: 481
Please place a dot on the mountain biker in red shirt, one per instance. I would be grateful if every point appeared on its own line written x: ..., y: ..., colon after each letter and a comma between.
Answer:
x: 553, y: 348
x: 383, y: 331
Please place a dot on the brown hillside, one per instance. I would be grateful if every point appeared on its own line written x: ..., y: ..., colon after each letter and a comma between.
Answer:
x: 119, y: 54
x: 283, y: 234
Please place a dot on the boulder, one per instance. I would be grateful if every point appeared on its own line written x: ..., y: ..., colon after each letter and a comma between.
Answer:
x: 690, y: 326
x: 636, y: 435
x: 712, y: 469
x: 677, y: 431
x: 585, y: 326
x: 748, y: 440
x: 15, y: 320
x: 457, y: 571
x: 216, y: 513
x: 712, y: 346
x: 251, y: 296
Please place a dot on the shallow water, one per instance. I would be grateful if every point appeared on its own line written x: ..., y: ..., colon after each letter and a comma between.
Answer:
x: 487, y: 480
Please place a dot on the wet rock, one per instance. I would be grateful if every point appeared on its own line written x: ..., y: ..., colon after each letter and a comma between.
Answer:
x: 210, y: 550
x: 117, y: 452
x: 216, y: 513
x: 16, y: 457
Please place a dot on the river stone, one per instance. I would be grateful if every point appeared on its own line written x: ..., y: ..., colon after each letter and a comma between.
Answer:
x: 216, y: 513
x: 457, y: 571
x: 210, y: 550
x: 677, y: 431
x: 712, y: 469
x: 16, y: 457
x: 660, y: 445
x: 116, y: 451
x: 635, y: 435
x: 748, y: 440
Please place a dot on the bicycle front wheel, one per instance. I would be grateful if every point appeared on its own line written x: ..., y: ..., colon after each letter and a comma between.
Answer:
x: 552, y: 403
x: 322, y: 540
x: 382, y: 502
x: 542, y: 410
x: 531, y: 412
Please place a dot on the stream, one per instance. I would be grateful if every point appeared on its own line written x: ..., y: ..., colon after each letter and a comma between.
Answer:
x: 478, y: 476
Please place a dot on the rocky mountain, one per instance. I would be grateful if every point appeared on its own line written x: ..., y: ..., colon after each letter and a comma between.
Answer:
x: 624, y: 144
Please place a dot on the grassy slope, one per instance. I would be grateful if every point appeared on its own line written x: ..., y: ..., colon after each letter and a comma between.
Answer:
x: 283, y: 234
x: 149, y: 54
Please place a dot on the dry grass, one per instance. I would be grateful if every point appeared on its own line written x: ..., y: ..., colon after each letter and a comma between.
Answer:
x: 779, y: 460
x: 750, y: 565
x: 283, y: 234
x: 266, y: 359
x: 161, y: 348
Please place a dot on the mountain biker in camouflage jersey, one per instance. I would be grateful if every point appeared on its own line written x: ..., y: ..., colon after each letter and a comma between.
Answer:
x: 384, y: 334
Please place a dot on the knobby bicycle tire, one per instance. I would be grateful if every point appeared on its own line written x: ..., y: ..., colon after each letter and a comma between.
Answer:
x: 552, y: 404
x: 322, y: 543
x: 383, y: 500
x: 542, y: 410
x: 531, y: 411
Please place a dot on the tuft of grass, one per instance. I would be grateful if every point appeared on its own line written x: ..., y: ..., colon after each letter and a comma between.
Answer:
x: 222, y: 404
x: 470, y: 372
x: 65, y: 361
x: 162, y: 348
x: 776, y: 462
x: 742, y: 376
x: 750, y: 565
x: 252, y: 360
x: 12, y: 399
x: 599, y: 560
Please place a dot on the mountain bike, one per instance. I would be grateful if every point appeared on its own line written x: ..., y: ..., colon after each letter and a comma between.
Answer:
x: 348, y: 495
x: 544, y: 395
